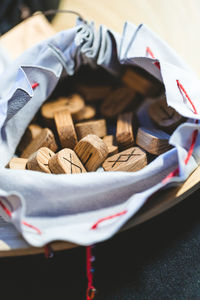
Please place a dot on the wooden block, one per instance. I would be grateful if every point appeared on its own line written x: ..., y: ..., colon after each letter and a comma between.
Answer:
x: 87, y: 113
x: 110, y: 141
x: 140, y: 84
x: 66, y: 162
x: 65, y: 129
x: 93, y: 93
x: 28, y: 33
x: 31, y: 132
x: 164, y: 116
x: 152, y: 140
x: 92, y: 151
x: 17, y: 163
x: 73, y: 103
x: 44, y: 139
x: 38, y: 161
x: 117, y: 101
x: 124, y: 132
x: 97, y: 127
x: 130, y: 160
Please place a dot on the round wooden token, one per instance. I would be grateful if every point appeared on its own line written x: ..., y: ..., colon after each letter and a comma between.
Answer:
x: 17, y: 163
x: 87, y: 113
x: 38, y: 161
x: 130, y: 160
x: 96, y: 127
x: 164, y: 116
x: 92, y: 93
x: 117, y: 101
x: 92, y: 151
x: 74, y: 104
x: 44, y: 139
x: 153, y: 140
x: 65, y: 129
x: 31, y: 132
x: 66, y: 162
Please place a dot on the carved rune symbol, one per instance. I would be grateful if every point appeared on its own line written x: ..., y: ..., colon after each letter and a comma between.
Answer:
x: 128, y: 156
x: 72, y: 164
x: 47, y: 163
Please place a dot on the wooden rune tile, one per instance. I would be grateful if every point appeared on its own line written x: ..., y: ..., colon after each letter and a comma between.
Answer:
x: 92, y: 93
x: 44, y: 139
x: 73, y: 103
x: 130, y: 160
x: 66, y: 162
x: 153, y: 140
x: 88, y: 112
x: 110, y: 141
x: 124, y: 132
x: 164, y: 116
x: 117, y: 101
x: 96, y: 127
x: 140, y: 84
x: 38, y: 161
x: 92, y: 151
x: 17, y: 163
x: 65, y: 129
x: 31, y: 132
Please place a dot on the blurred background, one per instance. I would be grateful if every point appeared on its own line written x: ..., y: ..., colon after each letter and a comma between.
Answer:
x: 176, y: 21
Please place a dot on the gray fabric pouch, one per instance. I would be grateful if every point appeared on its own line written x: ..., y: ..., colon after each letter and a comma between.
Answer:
x: 65, y: 207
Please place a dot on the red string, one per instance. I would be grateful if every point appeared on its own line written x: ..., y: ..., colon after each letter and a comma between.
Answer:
x: 108, y: 218
x: 90, y: 294
x: 48, y: 252
x: 9, y: 213
x: 180, y: 86
x: 34, y: 85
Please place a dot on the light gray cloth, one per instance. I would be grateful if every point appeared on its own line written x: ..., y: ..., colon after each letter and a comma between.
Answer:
x: 65, y: 207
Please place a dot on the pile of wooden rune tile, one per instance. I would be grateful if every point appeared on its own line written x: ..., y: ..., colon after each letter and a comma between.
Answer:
x: 90, y: 121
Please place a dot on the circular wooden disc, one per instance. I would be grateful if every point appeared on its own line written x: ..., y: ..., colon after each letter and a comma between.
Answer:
x: 74, y: 104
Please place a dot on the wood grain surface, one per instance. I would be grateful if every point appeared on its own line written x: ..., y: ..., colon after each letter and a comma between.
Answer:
x: 181, y: 32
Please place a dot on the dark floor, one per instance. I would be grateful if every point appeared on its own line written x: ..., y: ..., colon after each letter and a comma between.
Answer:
x: 157, y: 260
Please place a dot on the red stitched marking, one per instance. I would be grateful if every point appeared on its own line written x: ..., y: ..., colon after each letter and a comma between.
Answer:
x: 170, y: 175
x: 108, y: 218
x: 9, y: 213
x: 90, y: 294
x: 190, y: 151
x: 148, y: 50
x: 180, y: 86
x: 32, y: 226
x: 34, y: 85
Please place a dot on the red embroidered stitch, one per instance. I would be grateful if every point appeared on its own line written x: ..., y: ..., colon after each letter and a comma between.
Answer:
x: 32, y: 226
x: 108, y: 218
x: 180, y: 86
x: 9, y: 213
x: 148, y: 50
x: 34, y: 85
